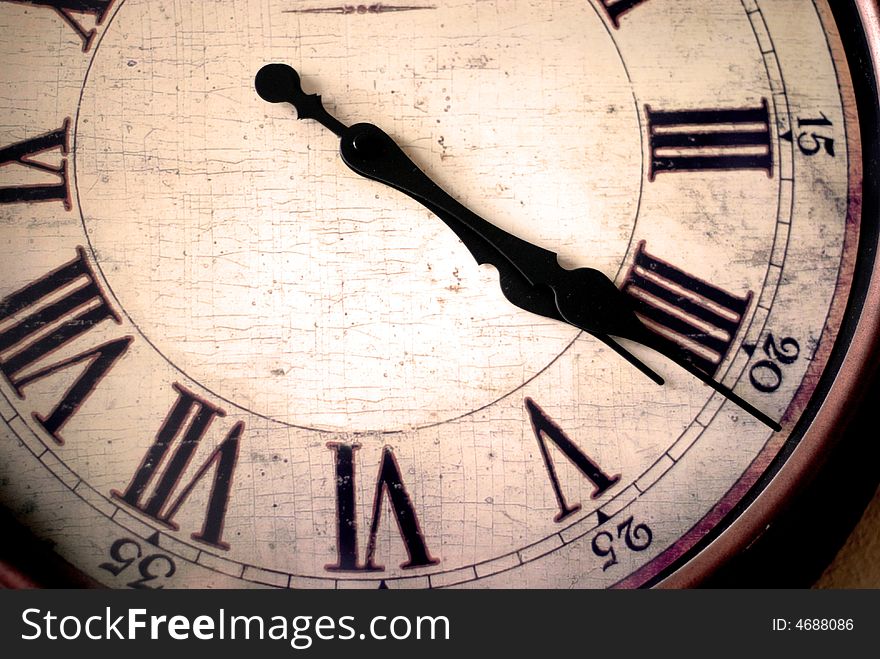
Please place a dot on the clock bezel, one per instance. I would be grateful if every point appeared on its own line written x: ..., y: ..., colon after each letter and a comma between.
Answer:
x: 777, y: 485
x: 853, y: 366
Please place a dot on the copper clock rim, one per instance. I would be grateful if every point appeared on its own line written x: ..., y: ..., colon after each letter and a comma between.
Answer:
x: 835, y: 411
x: 822, y: 432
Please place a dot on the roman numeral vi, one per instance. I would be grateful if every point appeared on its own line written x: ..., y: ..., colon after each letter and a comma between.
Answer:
x: 388, y: 483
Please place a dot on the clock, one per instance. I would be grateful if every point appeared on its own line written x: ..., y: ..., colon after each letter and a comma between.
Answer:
x: 230, y: 360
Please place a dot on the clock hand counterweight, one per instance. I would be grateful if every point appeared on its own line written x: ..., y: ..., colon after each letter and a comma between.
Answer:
x: 371, y: 152
x: 531, y: 276
x: 279, y: 83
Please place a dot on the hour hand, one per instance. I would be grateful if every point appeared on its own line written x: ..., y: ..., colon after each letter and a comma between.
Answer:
x: 585, y: 298
x: 535, y: 299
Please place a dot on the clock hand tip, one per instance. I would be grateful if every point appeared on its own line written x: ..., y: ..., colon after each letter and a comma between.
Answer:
x: 277, y: 83
x: 760, y: 416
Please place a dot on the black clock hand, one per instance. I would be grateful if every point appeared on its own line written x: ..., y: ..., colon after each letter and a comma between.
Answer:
x: 584, y: 297
x: 520, y: 292
x: 279, y: 83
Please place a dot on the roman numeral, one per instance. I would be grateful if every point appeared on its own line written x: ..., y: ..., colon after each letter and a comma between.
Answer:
x: 616, y: 8
x: 46, y: 315
x: 67, y: 10
x: 23, y: 153
x: 701, y: 318
x: 544, y: 427
x: 696, y: 140
x: 188, y: 422
x: 389, y: 483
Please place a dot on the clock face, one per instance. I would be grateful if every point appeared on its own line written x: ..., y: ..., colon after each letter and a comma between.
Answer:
x: 229, y: 361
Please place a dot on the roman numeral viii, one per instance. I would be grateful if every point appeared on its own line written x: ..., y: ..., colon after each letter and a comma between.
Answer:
x: 546, y: 429
x: 25, y: 155
x: 695, y: 140
x: 388, y: 483
x: 44, y: 317
x: 156, y: 489
x: 703, y: 319
x: 68, y: 9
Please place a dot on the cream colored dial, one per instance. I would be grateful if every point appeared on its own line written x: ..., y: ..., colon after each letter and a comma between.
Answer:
x: 223, y: 347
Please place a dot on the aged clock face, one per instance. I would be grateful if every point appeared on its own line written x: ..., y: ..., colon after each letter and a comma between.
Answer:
x: 228, y: 361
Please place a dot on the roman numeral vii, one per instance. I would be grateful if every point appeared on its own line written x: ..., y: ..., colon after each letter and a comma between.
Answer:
x: 157, y: 489
x: 46, y: 316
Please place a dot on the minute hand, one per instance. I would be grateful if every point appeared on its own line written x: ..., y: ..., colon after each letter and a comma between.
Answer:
x: 280, y: 83
x: 585, y: 297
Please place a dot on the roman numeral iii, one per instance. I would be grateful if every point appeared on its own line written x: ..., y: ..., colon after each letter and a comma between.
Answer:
x: 702, y: 140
